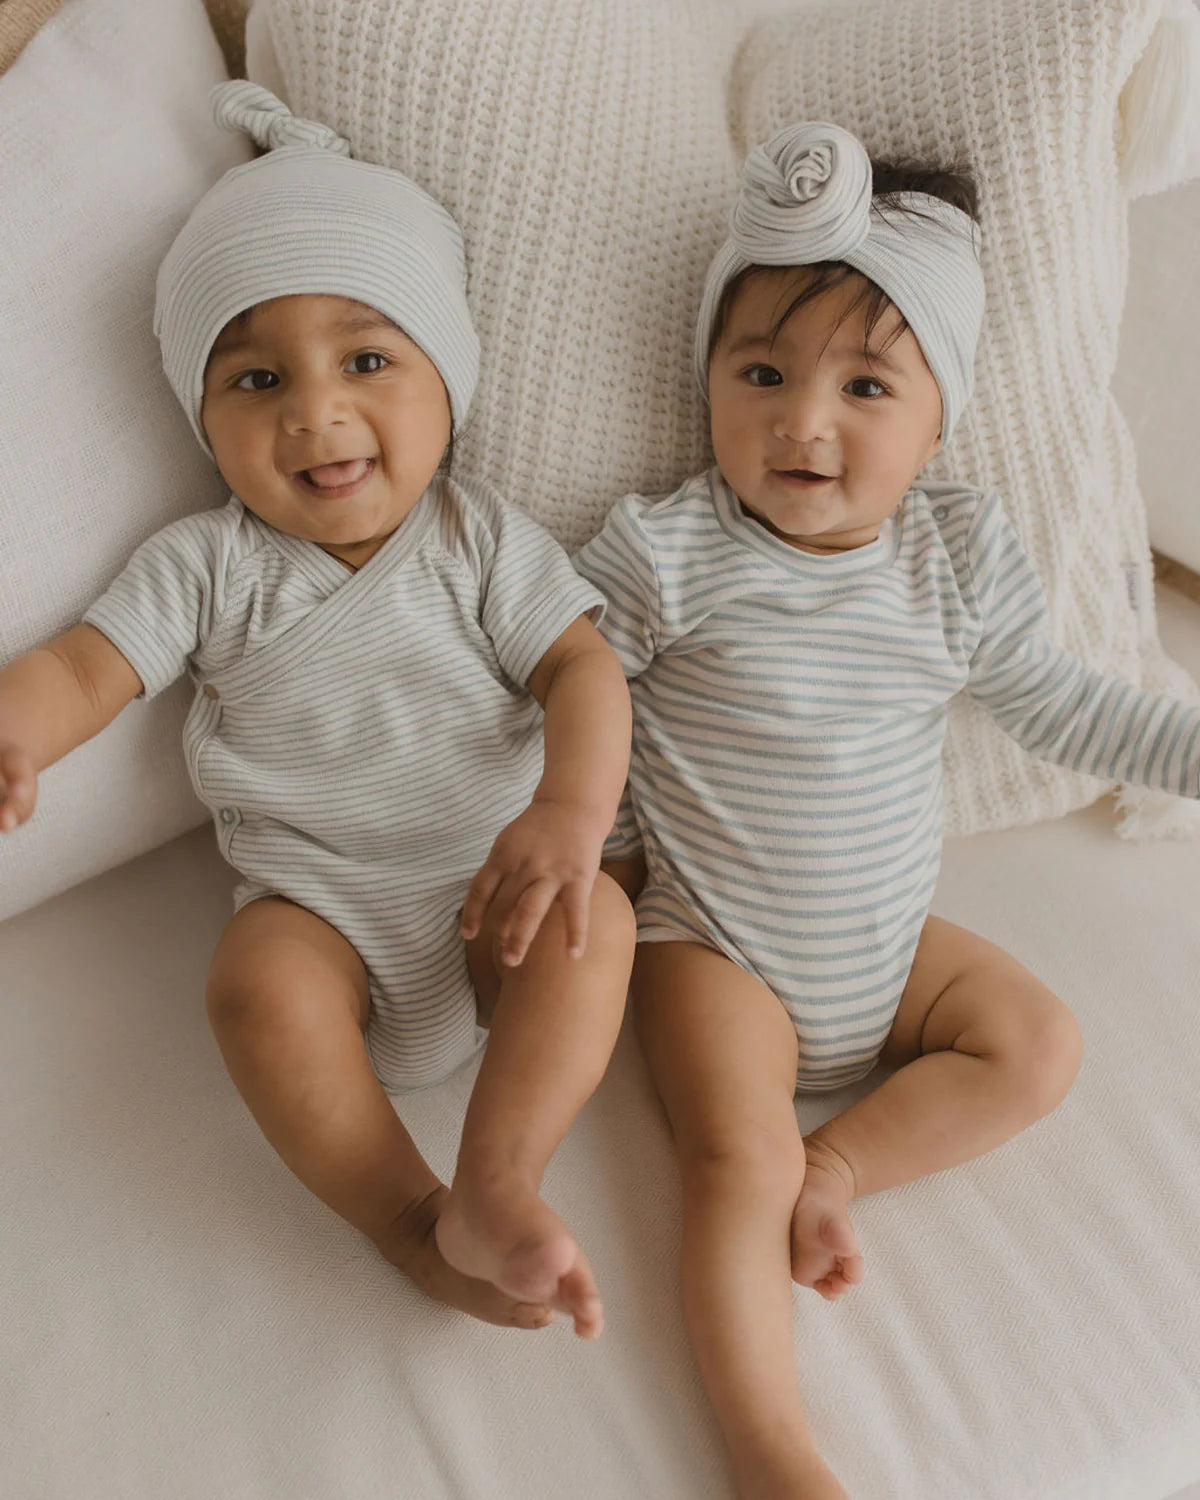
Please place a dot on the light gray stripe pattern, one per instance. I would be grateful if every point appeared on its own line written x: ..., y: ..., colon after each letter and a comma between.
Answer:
x: 361, y: 738
x: 789, y: 714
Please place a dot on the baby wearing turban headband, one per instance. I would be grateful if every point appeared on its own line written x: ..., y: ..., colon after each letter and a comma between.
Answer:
x: 306, y: 218
x: 806, y: 198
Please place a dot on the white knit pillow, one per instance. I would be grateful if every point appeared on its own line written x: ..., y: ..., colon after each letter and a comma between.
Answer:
x: 105, y: 143
x: 1029, y: 94
x: 583, y: 146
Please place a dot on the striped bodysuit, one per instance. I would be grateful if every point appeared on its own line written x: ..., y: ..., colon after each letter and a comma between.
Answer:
x: 789, y: 714
x: 361, y: 738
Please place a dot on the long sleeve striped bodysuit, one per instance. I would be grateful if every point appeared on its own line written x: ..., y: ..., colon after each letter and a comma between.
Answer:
x: 789, y: 714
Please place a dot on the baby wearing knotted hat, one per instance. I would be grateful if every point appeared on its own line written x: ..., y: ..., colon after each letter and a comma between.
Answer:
x: 408, y: 732
x: 307, y: 218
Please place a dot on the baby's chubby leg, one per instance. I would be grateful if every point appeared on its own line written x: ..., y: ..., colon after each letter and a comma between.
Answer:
x: 985, y: 1049
x: 288, y: 1003
x: 554, y: 1022
x: 722, y: 1051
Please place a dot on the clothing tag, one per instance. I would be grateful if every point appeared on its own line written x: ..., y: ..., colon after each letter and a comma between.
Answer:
x: 1139, y: 586
x: 1135, y: 586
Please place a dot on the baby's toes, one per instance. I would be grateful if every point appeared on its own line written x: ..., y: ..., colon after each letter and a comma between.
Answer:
x: 577, y: 1295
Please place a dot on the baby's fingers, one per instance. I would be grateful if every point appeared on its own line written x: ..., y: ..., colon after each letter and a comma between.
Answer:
x: 576, y: 899
x: 479, y: 897
x: 18, y: 788
x: 521, y: 926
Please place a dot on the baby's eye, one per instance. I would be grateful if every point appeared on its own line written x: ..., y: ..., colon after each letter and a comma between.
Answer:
x: 370, y: 362
x: 257, y: 380
x: 856, y: 387
x: 763, y: 375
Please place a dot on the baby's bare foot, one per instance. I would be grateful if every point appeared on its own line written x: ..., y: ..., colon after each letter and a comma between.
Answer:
x: 825, y: 1253
x: 503, y: 1233
x: 409, y: 1242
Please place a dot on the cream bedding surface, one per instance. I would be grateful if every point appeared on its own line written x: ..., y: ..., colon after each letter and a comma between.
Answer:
x: 181, y: 1319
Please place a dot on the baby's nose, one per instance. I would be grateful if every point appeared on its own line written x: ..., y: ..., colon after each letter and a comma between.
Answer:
x: 805, y: 417
x: 312, y: 406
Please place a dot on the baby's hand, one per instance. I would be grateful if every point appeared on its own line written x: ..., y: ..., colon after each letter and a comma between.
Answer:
x: 18, y: 786
x: 551, y: 852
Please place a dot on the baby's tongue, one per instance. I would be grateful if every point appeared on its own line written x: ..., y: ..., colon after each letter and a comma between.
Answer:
x: 330, y: 476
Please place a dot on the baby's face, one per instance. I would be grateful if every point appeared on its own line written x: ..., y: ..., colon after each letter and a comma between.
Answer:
x: 325, y: 420
x: 818, y: 442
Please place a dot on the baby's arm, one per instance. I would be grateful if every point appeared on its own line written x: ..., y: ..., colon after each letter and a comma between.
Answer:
x: 52, y: 699
x: 552, y: 851
x: 1050, y: 701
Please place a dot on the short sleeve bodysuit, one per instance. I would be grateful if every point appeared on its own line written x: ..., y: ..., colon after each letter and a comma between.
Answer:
x: 789, y: 714
x: 361, y: 738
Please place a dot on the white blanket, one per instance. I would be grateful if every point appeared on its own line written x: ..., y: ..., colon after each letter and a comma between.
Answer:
x: 182, y: 1319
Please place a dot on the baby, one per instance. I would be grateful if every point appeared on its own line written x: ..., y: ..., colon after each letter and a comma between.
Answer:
x: 373, y: 646
x: 793, y: 624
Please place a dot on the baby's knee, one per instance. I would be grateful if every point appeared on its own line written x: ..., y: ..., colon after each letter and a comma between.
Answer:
x: 238, y: 1001
x: 753, y: 1162
x: 1044, y: 1052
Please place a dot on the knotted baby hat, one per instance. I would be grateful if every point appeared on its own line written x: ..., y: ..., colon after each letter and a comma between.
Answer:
x: 806, y: 197
x: 308, y: 218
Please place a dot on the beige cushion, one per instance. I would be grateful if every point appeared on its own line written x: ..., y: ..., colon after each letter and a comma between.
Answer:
x: 21, y: 19
x: 105, y: 143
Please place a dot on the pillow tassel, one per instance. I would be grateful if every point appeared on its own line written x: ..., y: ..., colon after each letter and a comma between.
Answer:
x: 1144, y: 813
x: 1159, y: 134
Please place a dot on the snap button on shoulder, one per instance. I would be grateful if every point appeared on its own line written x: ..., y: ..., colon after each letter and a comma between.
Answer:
x: 228, y: 815
x: 940, y: 512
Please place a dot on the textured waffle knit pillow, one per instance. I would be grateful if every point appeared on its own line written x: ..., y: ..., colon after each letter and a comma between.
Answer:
x: 1044, y: 100
x: 583, y: 146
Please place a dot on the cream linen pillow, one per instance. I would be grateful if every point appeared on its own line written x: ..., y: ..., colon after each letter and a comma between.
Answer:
x: 583, y: 145
x: 105, y: 142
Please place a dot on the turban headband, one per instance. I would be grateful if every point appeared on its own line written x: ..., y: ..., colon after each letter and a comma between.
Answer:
x: 806, y: 197
x: 308, y: 218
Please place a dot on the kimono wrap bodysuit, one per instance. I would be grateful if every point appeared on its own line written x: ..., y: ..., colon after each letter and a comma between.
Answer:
x: 789, y: 711
x: 361, y: 738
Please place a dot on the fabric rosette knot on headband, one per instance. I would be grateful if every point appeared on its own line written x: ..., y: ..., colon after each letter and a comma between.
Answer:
x: 806, y: 197
x: 809, y: 186
x: 309, y: 218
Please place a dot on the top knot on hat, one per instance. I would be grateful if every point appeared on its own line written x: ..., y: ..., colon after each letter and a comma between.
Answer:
x: 268, y: 121
x: 805, y: 197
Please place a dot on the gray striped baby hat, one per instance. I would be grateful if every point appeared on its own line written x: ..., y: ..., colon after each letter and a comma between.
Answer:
x: 806, y: 197
x: 306, y: 217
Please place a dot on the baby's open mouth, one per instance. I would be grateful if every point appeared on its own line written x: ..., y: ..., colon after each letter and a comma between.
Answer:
x: 805, y: 474
x: 336, y: 476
